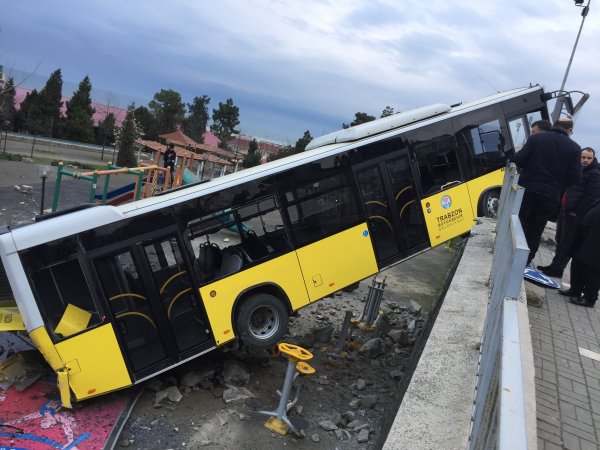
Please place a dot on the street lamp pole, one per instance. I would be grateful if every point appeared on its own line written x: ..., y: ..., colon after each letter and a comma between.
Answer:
x: 560, y: 100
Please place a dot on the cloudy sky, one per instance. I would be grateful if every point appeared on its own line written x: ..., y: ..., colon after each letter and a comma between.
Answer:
x: 303, y: 65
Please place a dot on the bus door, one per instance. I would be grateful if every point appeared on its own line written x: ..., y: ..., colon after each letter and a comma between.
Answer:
x: 448, y: 213
x: 155, y: 304
x: 386, y: 188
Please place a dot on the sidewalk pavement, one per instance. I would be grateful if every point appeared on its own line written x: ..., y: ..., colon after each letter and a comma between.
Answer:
x: 566, y: 348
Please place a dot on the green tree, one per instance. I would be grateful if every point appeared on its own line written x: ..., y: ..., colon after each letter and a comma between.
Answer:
x: 148, y: 122
x: 168, y: 109
x: 303, y: 142
x: 225, y: 118
x: 359, y: 117
x: 197, y: 118
x: 125, y: 138
x: 29, y: 116
x: 7, y: 103
x: 50, y: 100
x: 106, y: 131
x: 387, y: 111
x: 79, y: 124
x: 253, y: 157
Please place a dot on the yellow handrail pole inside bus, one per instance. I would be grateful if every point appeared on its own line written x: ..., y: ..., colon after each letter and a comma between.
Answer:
x: 164, y: 286
x: 185, y: 291
x: 136, y: 313
x: 375, y: 202
x: 384, y: 219
x: 404, y: 207
x: 402, y: 191
x: 127, y: 294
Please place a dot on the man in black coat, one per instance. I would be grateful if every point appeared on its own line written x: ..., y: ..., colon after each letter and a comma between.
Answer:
x: 577, y: 201
x: 549, y: 163
x: 585, y: 267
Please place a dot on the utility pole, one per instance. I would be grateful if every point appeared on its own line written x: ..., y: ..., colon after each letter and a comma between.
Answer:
x: 560, y: 100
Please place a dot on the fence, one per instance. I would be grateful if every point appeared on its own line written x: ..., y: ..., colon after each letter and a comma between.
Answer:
x: 498, y: 419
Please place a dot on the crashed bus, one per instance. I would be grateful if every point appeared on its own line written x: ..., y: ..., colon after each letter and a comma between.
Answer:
x: 114, y: 295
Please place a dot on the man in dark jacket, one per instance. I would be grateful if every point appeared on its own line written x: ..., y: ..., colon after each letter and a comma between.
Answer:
x: 549, y: 163
x: 577, y: 200
x: 585, y: 267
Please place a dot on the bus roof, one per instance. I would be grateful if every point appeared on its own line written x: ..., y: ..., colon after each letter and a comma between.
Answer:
x: 79, y: 221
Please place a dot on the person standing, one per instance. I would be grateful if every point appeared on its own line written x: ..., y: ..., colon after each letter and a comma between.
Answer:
x: 585, y: 267
x: 540, y: 125
x: 549, y: 163
x: 169, y: 159
x: 577, y: 200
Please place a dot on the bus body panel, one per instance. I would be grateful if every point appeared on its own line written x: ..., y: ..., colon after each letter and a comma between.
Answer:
x: 41, y: 339
x: 219, y: 297
x: 484, y: 183
x: 448, y: 214
x: 337, y: 261
x: 94, y: 362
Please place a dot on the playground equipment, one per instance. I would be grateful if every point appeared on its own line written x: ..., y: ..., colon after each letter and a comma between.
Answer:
x: 150, y: 179
x: 297, y: 365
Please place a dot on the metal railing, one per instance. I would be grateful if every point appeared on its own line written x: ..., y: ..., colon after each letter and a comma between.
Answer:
x: 498, y: 418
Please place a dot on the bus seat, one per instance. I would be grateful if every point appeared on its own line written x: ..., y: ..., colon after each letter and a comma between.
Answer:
x: 253, y: 246
x: 231, y: 263
x: 209, y: 259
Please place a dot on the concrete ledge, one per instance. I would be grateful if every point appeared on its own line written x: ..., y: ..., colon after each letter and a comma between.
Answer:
x: 436, y: 409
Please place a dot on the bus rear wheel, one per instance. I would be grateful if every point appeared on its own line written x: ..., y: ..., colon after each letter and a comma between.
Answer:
x: 261, y: 321
x: 490, y: 202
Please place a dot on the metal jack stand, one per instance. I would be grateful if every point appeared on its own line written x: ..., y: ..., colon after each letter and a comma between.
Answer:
x: 370, y: 314
x: 279, y: 422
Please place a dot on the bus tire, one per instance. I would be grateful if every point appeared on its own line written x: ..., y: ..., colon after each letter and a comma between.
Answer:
x: 489, y: 203
x: 261, y: 320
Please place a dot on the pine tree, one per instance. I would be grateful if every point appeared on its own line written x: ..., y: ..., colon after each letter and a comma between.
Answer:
x: 253, y: 157
x: 79, y: 125
x: 168, y: 109
x: 197, y: 120
x: 7, y: 103
x: 125, y: 138
x: 225, y: 119
x: 50, y: 101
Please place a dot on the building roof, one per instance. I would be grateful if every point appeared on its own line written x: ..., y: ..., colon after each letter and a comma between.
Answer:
x: 178, y: 137
x: 180, y: 152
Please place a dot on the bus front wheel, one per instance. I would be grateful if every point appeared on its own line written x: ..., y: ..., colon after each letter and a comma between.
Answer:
x: 262, y: 320
x: 489, y: 203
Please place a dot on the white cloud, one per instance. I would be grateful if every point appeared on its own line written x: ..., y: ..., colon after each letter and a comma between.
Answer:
x: 318, y: 62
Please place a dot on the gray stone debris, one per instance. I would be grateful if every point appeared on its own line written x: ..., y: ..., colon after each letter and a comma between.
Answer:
x: 339, y: 434
x: 361, y: 384
x: 154, y: 384
x: 363, y: 436
x: 369, y: 401
x: 235, y: 373
x: 315, y: 438
x: 373, y: 348
x: 338, y: 420
x: 354, y: 404
x: 236, y: 395
x: 412, y: 324
x: 159, y: 397
x: 173, y: 394
x: 348, y: 416
x: 328, y: 425
x: 416, y: 308
x: 399, y: 337
x: 323, y: 334
x: 396, y: 374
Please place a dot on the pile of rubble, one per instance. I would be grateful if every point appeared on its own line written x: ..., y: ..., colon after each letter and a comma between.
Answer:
x: 344, y: 402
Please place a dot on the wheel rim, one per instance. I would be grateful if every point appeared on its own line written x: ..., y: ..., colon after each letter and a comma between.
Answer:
x: 264, y: 322
x: 492, y: 206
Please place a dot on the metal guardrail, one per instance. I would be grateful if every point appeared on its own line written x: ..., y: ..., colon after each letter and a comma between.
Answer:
x: 498, y: 418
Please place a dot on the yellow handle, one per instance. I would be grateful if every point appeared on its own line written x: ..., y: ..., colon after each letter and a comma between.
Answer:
x: 295, y: 352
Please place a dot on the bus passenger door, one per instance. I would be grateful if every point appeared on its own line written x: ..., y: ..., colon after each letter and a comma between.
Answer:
x: 394, y: 217
x: 448, y: 213
x: 155, y: 304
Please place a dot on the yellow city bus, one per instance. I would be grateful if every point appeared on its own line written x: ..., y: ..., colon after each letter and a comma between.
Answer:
x: 113, y: 295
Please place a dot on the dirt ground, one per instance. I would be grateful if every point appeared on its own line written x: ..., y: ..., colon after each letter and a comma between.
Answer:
x: 345, y: 404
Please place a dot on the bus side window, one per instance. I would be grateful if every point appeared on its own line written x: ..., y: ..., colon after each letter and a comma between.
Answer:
x: 438, y: 164
x: 65, y: 298
x: 321, y: 207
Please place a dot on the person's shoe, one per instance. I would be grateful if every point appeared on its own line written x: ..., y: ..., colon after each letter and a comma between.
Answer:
x: 552, y: 272
x: 569, y: 293
x: 582, y: 301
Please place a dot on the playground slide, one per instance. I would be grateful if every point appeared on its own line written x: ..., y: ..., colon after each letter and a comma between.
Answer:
x: 119, y: 195
x: 189, y: 177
